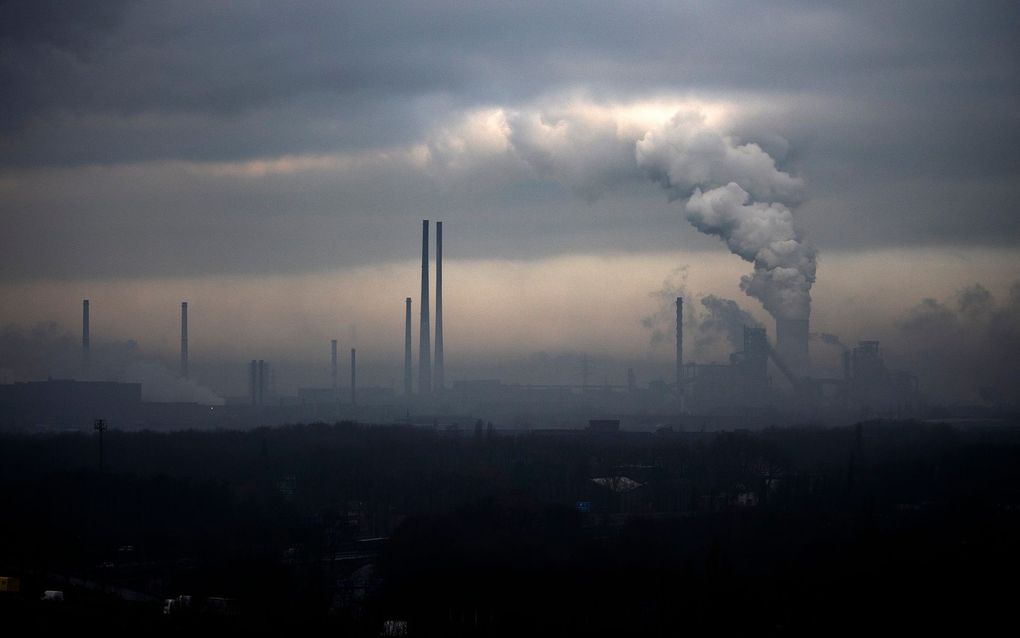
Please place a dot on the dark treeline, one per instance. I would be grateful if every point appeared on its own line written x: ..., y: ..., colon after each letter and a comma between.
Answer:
x: 786, y: 530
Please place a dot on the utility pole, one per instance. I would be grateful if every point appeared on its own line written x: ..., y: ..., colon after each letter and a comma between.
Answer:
x: 99, y: 425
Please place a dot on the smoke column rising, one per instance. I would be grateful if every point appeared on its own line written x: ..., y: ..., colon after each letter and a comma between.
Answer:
x: 763, y: 234
x: 733, y: 190
x: 719, y: 177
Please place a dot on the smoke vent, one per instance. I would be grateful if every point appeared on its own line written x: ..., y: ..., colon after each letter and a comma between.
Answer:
x: 85, y: 339
x: 679, y: 343
x: 259, y: 377
x: 440, y: 372
x: 354, y: 377
x: 253, y: 379
x: 424, y: 346
x: 333, y: 364
x: 184, y: 339
x: 407, y: 347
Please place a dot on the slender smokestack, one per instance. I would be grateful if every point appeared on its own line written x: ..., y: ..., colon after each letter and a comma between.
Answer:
x: 407, y: 347
x: 424, y: 356
x: 184, y: 339
x: 440, y: 373
x: 333, y: 368
x: 85, y: 339
x: 354, y: 377
x: 253, y: 382
x: 679, y: 342
x: 261, y: 392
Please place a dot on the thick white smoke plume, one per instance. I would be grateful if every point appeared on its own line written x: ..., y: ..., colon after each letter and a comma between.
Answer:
x: 763, y: 234
x: 734, y: 190
x: 686, y: 157
x: 686, y: 153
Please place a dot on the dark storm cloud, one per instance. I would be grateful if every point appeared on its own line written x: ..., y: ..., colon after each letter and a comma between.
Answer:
x: 216, y: 60
x: 898, y: 117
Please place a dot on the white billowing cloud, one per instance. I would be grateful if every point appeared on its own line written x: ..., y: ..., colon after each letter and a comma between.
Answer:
x: 463, y: 161
x: 590, y: 147
x: 588, y: 152
x: 764, y: 234
x: 587, y: 146
x: 748, y: 229
x: 455, y: 146
x: 687, y: 152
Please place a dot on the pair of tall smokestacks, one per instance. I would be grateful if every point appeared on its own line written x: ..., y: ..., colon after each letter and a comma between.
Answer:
x: 258, y: 381
x: 335, y: 371
x: 425, y: 380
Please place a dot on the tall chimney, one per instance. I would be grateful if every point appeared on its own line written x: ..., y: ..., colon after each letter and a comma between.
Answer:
x: 679, y: 343
x: 424, y: 355
x: 85, y: 339
x: 333, y: 369
x: 407, y: 347
x: 261, y: 391
x: 440, y: 373
x: 253, y: 382
x: 354, y: 377
x: 184, y: 339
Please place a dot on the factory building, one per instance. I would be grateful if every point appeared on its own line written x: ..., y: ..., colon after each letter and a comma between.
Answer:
x: 744, y: 382
x: 875, y: 389
x: 64, y: 403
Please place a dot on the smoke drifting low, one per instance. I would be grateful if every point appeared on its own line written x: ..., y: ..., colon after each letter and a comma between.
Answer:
x: 46, y: 351
x: 727, y: 318
x: 662, y: 323
x: 713, y: 325
x: 966, y: 347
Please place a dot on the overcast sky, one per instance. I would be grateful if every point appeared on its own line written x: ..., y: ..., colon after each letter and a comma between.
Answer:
x: 189, y: 141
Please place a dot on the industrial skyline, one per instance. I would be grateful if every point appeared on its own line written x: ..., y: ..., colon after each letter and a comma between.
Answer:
x: 746, y: 388
x: 281, y: 201
x: 710, y: 328
x: 375, y: 318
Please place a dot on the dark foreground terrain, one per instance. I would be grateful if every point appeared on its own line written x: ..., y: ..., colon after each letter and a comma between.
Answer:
x: 378, y: 530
